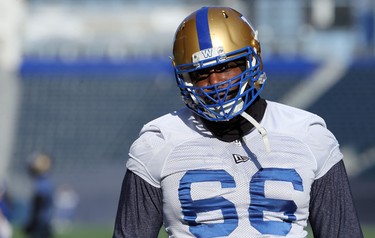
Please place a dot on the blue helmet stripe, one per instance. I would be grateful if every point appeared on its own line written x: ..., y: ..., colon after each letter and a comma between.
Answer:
x: 203, y: 29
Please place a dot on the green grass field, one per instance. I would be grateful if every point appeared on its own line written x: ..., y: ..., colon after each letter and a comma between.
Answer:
x: 77, y: 232
x: 106, y: 232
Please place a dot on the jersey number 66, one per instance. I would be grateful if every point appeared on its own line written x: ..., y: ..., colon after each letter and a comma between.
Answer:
x: 257, y: 205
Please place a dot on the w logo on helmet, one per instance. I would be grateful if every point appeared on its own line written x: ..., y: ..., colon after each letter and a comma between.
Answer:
x: 207, y: 53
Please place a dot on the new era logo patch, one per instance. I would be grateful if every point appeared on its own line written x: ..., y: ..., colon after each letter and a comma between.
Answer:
x: 240, y: 158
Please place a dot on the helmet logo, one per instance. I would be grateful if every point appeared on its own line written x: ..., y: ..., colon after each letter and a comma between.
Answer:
x: 216, y: 52
x: 207, y: 53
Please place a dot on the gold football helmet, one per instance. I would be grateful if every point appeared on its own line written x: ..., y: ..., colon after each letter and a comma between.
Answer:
x: 212, y: 36
x: 39, y: 163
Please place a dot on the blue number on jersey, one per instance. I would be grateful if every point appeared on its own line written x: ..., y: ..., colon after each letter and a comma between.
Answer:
x: 259, y: 203
x: 191, y: 207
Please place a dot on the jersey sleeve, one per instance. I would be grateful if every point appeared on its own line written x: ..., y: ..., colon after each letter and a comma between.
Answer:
x: 138, y: 217
x: 332, y: 211
x: 145, y: 155
x: 323, y: 146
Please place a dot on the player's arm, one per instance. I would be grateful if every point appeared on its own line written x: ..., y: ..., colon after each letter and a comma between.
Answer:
x: 139, y: 212
x: 332, y: 211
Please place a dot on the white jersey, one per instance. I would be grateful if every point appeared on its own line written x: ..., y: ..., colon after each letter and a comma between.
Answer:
x: 213, y: 188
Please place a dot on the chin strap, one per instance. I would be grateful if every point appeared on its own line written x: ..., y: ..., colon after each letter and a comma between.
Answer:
x: 260, y: 129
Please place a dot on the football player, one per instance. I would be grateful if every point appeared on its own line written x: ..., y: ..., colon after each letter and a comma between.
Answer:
x: 39, y: 222
x: 232, y: 164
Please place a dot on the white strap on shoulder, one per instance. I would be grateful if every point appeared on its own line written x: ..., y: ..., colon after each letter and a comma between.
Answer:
x: 261, y: 130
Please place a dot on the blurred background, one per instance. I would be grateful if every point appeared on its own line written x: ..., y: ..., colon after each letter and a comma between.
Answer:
x: 79, y: 78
